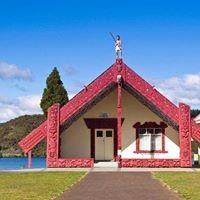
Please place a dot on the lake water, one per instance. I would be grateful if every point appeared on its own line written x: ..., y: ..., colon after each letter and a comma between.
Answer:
x: 21, y: 163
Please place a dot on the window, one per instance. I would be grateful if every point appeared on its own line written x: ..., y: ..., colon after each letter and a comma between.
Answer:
x: 150, y: 137
x: 108, y: 133
x: 99, y: 133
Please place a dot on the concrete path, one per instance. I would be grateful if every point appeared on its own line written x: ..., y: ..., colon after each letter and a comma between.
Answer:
x: 108, y: 169
x: 118, y: 186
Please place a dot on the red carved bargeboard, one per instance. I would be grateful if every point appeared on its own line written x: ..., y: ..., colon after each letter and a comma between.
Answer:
x: 195, y: 131
x: 151, y: 94
x: 33, y: 138
x: 76, y: 103
x: 185, y: 135
x: 150, y: 163
x: 105, y: 79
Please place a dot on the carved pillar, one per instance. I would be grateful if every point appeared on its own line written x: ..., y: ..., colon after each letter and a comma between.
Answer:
x: 119, y: 122
x: 53, y: 135
x: 29, y: 159
x: 185, y: 135
x: 120, y: 76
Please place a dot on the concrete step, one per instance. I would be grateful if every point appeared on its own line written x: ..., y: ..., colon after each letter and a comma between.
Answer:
x: 103, y: 164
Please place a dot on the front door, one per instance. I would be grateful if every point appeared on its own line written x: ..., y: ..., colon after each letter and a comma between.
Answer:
x: 104, y: 144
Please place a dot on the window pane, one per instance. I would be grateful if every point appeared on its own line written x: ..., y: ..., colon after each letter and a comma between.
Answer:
x: 158, y: 131
x: 108, y: 133
x: 150, y: 130
x: 144, y: 142
x: 142, y: 130
x: 156, y: 142
x: 99, y: 133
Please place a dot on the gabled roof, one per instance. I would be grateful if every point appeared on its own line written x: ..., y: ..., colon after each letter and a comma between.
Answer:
x: 100, y: 87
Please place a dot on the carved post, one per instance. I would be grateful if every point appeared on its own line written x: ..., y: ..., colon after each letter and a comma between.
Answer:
x: 119, y: 121
x: 53, y: 135
x: 29, y: 159
x: 185, y: 135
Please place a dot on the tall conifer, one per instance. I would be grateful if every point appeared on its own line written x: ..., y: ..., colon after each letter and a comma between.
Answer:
x: 54, y: 92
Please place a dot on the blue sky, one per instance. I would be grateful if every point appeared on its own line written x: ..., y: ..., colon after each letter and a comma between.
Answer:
x: 161, y: 42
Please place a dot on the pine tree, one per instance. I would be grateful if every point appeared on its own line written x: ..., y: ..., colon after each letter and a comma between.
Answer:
x: 54, y: 92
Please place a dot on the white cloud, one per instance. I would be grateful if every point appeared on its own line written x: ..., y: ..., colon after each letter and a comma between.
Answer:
x: 184, y: 89
x: 11, y: 71
x: 30, y: 103
x: 22, y: 105
x: 70, y: 70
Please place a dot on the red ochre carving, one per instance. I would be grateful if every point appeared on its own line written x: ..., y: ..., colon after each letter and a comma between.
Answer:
x: 53, y: 135
x: 33, y: 138
x: 151, y: 94
x: 185, y: 135
x: 99, y: 84
x: 195, y: 131
x: 150, y: 163
x: 76, y: 162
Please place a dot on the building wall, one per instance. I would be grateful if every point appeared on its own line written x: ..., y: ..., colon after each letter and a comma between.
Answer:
x: 75, y: 141
x: 133, y: 111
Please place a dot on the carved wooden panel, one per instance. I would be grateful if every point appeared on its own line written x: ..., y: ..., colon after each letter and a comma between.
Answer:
x: 33, y: 138
x: 53, y: 135
x: 150, y: 163
x: 88, y: 93
x: 195, y: 131
x: 76, y: 162
x: 151, y: 94
x: 185, y: 135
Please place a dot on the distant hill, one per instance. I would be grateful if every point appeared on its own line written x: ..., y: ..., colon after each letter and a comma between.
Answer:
x: 14, y: 130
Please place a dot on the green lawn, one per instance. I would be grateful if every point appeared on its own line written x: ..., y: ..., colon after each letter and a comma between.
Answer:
x: 187, y: 184
x: 36, y: 185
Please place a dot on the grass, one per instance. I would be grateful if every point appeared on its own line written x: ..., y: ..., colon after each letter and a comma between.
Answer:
x: 187, y: 184
x: 36, y: 185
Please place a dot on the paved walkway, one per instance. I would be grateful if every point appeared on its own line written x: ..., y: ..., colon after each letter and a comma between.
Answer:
x: 118, y: 186
x: 108, y: 169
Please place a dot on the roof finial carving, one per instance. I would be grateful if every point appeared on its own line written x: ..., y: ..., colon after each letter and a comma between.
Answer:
x: 118, y: 46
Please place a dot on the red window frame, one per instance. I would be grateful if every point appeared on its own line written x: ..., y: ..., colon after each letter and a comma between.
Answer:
x: 138, y: 126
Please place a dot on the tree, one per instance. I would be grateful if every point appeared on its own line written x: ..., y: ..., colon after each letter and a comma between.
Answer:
x: 54, y: 92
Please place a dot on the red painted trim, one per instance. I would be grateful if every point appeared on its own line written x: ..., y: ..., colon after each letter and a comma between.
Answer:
x: 73, y: 163
x: 33, y: 138
x: 76, y: 162
x: 92, y: 143
x: 119, y: 116
x: 29, y: 159
x: 150, y: 125
x: 115, y: 143
x: 150, y: 162
x: 101, y: 123
x: 185, y: 135
x: 137, y: 141
x: 53, y: 135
